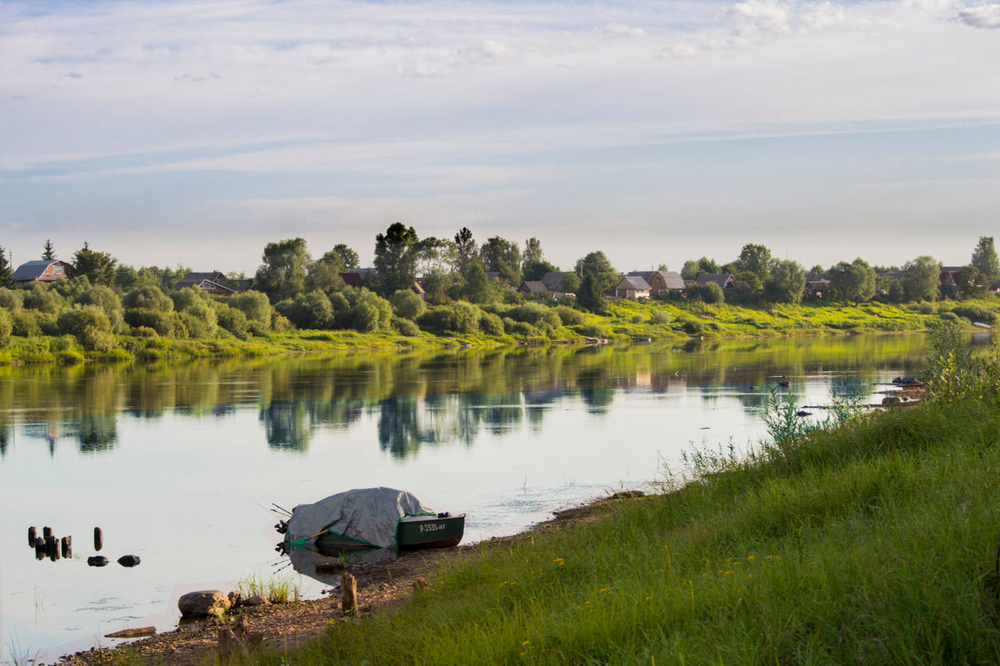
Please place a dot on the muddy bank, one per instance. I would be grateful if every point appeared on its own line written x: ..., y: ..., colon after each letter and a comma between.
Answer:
x: 285, y: 626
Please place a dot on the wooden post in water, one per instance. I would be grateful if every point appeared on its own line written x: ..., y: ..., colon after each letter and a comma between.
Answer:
x: 32, y: 533
x: 98, y: 539
x: 348, y: 594
x: 67, y: 547
x: 52, y: 546
x: 39, y: 548
x: 46, y: 532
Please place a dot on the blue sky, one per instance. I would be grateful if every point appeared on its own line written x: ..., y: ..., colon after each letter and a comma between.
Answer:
x: 194, y: 133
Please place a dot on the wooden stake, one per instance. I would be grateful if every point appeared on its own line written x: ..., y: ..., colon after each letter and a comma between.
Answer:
x: 46, y: 532
x: 348, y: 594
x: 32, y: 533
x: 98, y: 539
x: 67, y: 547
x: 40, y: 548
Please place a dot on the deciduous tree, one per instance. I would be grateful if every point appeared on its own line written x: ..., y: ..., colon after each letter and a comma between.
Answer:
x: 396, y: 257
x: 283, y: 273
x: 921, y: 279
x: 787, y: 281
x: 754, y: 259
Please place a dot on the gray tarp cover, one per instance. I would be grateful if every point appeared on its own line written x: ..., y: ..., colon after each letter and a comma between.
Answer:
x: 369, y: 514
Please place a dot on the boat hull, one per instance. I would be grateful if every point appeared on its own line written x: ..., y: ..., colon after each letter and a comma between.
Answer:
x: 419, y: 532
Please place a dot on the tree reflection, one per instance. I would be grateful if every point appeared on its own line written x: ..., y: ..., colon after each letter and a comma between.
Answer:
x: 285, y: 425
x: 418, y: 399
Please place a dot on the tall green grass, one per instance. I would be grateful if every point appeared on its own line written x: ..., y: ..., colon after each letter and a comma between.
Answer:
x: 874, y: 541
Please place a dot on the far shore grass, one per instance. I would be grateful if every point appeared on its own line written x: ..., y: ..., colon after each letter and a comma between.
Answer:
x: 874, y: 542
x: 625, y: 321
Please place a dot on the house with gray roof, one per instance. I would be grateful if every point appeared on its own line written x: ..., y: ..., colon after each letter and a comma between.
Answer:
x: 40, y: 270
x: 554, y: 281
x: 661, y: 283
x: 632, y: 287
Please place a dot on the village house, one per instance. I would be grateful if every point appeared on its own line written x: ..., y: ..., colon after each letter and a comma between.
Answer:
x: 209, y: 283
x: 553, y: 281
x: 632, y: 287
x: 40, y: 270
x: 816, y: 285
x: 661, y: 283
x: 534, y: 288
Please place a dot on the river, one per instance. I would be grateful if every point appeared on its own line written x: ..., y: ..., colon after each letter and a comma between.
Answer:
x: 179, y: 463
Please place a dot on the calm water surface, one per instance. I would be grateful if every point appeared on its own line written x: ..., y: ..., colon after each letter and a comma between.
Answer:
x: 178, y: 463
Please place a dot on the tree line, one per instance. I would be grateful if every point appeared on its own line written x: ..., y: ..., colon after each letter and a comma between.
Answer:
x: 467, y: 287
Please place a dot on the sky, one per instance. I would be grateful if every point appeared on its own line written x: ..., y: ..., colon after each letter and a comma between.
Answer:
x: 194, y: 133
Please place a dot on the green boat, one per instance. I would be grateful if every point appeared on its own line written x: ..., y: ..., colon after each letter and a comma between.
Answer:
x: 368, y: 519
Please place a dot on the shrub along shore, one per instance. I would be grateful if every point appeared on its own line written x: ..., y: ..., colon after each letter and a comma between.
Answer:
x: 74, y: 322
x: 871, y: 541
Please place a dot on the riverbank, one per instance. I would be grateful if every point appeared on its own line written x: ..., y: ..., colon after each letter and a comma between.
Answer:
x: 875, y: 541
x: 626, y: 321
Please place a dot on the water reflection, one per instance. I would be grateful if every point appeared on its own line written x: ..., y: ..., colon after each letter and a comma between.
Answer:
x: 420, y: 399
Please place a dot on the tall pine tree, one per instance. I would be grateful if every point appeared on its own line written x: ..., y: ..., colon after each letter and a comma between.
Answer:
x: 49, y: 252
x: 6, y: 272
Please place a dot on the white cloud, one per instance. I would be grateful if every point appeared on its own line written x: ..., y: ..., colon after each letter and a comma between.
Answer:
x: 624, y: 30
x: 983, y: 16
x: 756, y: 17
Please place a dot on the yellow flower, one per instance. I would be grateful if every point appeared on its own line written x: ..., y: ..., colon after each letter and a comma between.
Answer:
x: 649, y: 597
x: 606, y: 590
x: 560, y: 561
x: 751, y: 558
x: 525, y: 643
x: 728, y: 573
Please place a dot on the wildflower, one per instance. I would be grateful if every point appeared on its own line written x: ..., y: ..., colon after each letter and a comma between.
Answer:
x: 729, y: 572
x: 751, y: 558
x: 525, y: 643
x: 605, y: 590
x: 560, y: 561
x: 649, y: 597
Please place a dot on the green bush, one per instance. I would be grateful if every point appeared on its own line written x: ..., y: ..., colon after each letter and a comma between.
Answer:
x: 254, y: 305
x: 975, y: 313
x: 660, y: 317
x: 258, y: 329
x: 568, y: 316
x: 70, y: 357
x: 40, y: 297
x: 232, y: 320
x: 6, y: 328
x: 10, y: 300
x: 693, y: 326
x: 26, y: 325
x: 637, y: 319
x: 925, y: 307
x: 522, y: 329
x: 279, y: 323
x: 406, y: 304
x: 371, y: 312
x: 161, y: 322
x: 148, y: 298
x: 405, y: 327
x: 144, y: 332
x: 312, y: 310
x: 58, y: 344
x: 458, y: 317
x: 490, y: 324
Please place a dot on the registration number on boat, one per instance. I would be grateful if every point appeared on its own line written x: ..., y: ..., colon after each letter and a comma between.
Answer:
x: 433, y: 527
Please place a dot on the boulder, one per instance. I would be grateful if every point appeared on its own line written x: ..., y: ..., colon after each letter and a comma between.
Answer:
x: 129, y: 560
x: 256, y: 600
x: 203, y: 603
x: 97, y: 561
x: 235, y: 599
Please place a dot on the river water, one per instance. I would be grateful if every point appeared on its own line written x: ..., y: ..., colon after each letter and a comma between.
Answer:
x: 178, y: 463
